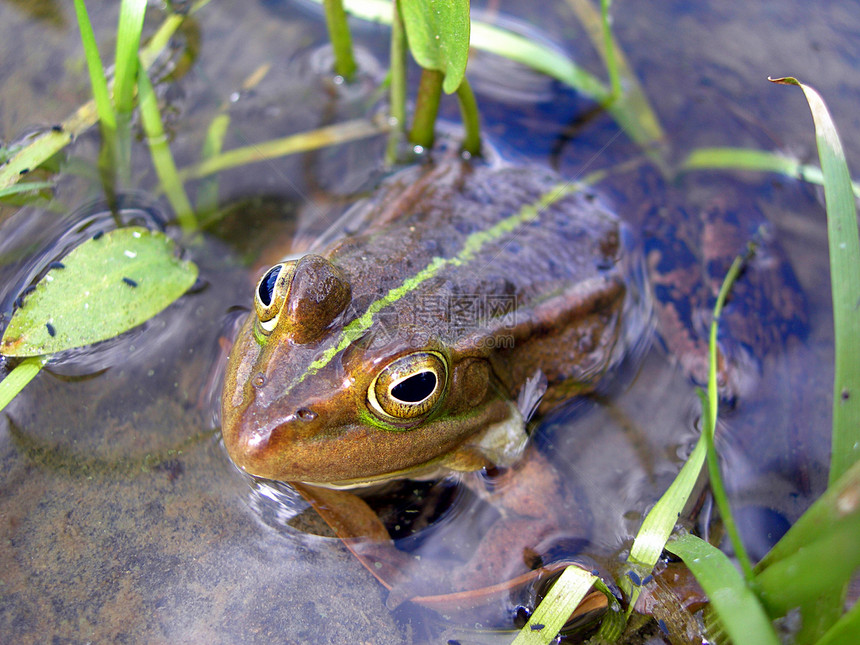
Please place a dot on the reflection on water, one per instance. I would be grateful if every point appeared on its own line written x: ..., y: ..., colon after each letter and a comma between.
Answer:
x: 123, y: 519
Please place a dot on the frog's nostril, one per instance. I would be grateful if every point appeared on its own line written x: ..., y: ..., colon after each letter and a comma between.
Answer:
x: 306, y: 415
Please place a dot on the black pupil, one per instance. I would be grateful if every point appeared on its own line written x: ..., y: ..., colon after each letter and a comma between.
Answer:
x: 267, y: 285
x: 415, y: 388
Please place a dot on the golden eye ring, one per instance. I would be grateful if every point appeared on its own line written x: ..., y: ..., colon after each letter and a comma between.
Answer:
x: 409, y: 387
x: 271, y: 294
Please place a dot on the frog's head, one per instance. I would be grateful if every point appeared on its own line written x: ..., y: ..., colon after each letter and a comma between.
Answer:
x: 315, y: 393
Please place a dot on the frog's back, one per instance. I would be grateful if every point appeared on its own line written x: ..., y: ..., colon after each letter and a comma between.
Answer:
x: 510, y: 261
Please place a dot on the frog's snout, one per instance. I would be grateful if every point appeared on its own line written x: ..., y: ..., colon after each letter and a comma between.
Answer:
x: 264, y: 450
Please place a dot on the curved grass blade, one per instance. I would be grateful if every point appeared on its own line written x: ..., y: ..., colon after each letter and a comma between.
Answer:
x: 438, y: 35
x: 844, y: 245
x: 105, y: 286
x: 741, y: 615
x: 557, y: 606
x: 15, y: 381
x: 757, y: 160
x: 162, y: 158
x: 320, y: 138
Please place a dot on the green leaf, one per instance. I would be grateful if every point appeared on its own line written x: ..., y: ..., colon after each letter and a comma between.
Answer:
x: 106, y: 286
x: 438, y: 36
x: 844, y: 245
x: 15, y: 381
x: 845, y: 630
x: 130, y: 27
x: 741, y: 615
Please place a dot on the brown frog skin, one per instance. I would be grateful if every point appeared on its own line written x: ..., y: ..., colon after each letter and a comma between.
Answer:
x: 421, y: 343
x: 399, y: 350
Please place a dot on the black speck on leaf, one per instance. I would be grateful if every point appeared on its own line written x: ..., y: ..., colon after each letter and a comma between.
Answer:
x: 51, y: 331
x: 23, y: 171
x: 98, y: 235
x: 130, y: 282
x: 56, y: 265
x: 537, y: 627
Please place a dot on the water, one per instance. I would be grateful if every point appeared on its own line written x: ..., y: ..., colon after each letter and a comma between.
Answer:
x: 123, y: 519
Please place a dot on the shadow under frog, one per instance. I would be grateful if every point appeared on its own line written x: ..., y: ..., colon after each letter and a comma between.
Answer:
x: 465, y: 298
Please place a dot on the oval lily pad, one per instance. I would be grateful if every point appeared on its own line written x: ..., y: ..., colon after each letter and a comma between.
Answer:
x: 104, y: 287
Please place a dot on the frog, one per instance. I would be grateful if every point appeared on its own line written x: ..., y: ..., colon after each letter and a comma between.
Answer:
x: 465, y: 299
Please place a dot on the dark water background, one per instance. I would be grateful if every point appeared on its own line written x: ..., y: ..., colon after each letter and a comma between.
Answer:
x: 122, y: 518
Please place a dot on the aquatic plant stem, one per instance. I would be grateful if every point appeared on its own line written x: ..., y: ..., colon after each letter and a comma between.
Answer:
x: 710, y: 407
x: 609, y: 47
x: 341, y: 41
x: 426, y: 108
x: 398, y: 85
x: 471, y: 119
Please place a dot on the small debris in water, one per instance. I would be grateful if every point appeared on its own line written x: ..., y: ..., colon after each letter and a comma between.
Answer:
x: 647, y: 579
x: 56, y: 128
x: 56, y: 265
x: 130, y: 282
x: 51, y: 331
x: 98, y: 235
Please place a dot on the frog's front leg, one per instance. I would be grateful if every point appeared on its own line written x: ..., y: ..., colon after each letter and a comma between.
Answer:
x: 537, y: 511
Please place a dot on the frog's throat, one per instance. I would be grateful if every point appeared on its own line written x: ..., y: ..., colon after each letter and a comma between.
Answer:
x: 472, y: 247
x: 501, y: 444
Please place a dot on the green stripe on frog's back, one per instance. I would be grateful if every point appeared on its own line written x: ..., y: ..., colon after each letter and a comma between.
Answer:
x: 472, y: 247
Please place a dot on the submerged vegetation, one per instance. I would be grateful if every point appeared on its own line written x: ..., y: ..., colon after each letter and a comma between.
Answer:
x: 439, y: 35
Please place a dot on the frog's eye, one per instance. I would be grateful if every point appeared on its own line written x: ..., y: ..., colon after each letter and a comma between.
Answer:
x: 410, y: 386
x: 272, y: 292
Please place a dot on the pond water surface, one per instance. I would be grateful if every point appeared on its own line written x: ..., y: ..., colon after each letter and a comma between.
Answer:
x: 122, y: 518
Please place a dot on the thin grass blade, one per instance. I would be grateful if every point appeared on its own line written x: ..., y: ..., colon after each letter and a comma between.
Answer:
x: 845, y: 630
x: 557, y: 606
x: 162, y: 158
x: 15, y: 381
x: 844, y: 245
x: 98, y: 81
x: 755, y: 160
x: 30, y: 186
x: 207, y: 193
x: 741, y: 615
x: 130, y: 27
x: 313, y: 140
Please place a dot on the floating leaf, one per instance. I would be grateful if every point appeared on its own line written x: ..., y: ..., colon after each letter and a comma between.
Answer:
x: 105, y: 286
x: 438, y: 36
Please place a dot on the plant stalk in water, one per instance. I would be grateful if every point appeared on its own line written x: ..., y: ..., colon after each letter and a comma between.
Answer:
x: 426, y: 108
x: 341, y: 41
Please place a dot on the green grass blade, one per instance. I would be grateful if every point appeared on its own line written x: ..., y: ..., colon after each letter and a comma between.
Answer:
x: 162, y: 158
x: 313, y: 140
x: 130, y: 27
x: 207, y: 193
x: 845, y: 630
x: 844, y: 244
x: 755, y: 160
x: 661, y: 519
x: 98, y: 81
x: 741, y: 615
x: 471, y: 119
x: 19, y: 377
x: 557, y: 606
x: 710, y: 425
x: 26, y: 187
x: 631, y: 109
x: 803, y: 564
x: 397, y: 100
x: 609, y: 48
